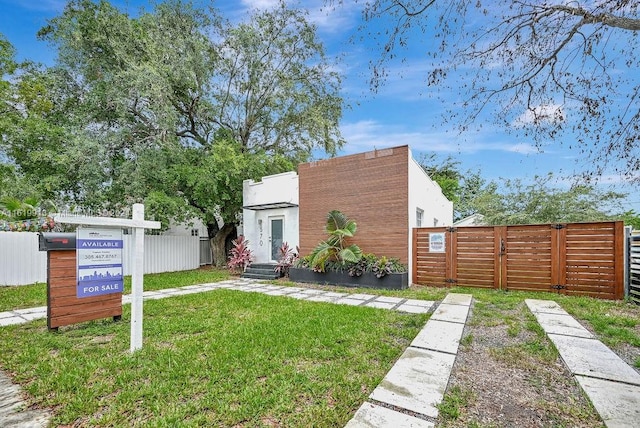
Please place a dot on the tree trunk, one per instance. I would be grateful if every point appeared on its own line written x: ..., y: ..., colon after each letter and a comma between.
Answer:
x: 218, y: 244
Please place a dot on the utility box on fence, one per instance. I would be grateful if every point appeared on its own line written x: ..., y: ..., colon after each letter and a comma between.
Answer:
x: 66, y: 305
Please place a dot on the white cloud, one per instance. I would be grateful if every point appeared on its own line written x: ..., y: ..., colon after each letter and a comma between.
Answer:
x: 330, y: 19
x: 522, y: 148
x: 369, y: 134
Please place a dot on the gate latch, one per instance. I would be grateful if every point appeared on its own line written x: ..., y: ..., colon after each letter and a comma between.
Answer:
x: 559, y: 287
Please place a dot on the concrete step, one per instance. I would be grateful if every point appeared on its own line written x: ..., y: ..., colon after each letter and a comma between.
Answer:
x: 252, y: 275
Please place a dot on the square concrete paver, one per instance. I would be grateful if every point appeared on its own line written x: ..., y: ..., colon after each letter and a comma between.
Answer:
x: 590, y: 357
x: 371, y: 415
x: 416, y: 302
x: 312, y: 291
x: 35, y: 310
x: 617, y: 403
x: 11, y: 321
x: 361, y: 296
x: 277, y: 292
x: 545, y: 306
x: 334, y: 294
x: 34, y: 315
x: 321, y: 298
x: 451, y: 313
x: 347, y: 301
x: 387, y: 299
x: 440, y: 336
x: 301, y: 296
x: 379, y: 305
x: 458, y: 299
x: 416, y: 382
x: 272, y: 288
x: 561, y: 324
x: 413, y: 309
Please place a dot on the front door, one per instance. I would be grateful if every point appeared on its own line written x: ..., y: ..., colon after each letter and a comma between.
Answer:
x: 276, y: 235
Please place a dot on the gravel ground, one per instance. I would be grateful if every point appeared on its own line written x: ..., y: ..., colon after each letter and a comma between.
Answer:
x: 509, y: 375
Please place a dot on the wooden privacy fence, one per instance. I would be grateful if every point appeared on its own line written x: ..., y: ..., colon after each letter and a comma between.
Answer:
x: 571, y: 258
x: 634, y: 268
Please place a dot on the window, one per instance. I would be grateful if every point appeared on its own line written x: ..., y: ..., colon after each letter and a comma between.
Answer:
x: 194, y: 232
x: 419, y: 216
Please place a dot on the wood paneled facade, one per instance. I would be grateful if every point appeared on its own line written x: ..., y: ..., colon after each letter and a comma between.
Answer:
x: 370, y: 188
x: 63, y: 305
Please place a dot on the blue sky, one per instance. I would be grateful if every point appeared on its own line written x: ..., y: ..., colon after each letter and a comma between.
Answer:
x: 403, y: 111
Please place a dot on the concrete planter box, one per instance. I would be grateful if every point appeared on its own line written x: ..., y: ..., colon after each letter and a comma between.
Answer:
x: 394, y: 281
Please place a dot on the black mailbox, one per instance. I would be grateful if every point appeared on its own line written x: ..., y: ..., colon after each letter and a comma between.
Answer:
x: 52, y: 241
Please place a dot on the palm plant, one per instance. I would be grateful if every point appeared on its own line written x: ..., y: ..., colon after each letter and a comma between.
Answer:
x: 336, y: 248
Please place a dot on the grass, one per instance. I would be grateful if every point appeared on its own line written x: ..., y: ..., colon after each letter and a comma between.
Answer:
x: 221, y: 358
x: 614, y: 322
x: 28, y: 296
x: 452, y: 402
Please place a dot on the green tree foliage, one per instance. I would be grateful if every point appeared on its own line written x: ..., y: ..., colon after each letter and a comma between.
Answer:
x: 174, y: 108
x: 540, y: 202
x: 463, y: 188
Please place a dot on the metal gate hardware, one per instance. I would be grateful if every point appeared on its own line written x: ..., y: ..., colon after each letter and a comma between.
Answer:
x: 559, y: 287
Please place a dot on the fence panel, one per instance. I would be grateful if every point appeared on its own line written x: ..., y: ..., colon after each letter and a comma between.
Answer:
x: 594, y: 253
x: 475, y: 257
x: 634, y: 268
x: 575, y: 259
x: 163, y: 253
x: 429, y: 268
x: 529, y: 258
x: 20, y: 261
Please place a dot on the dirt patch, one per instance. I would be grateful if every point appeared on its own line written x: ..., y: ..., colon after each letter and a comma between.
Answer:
x: 507, y: 374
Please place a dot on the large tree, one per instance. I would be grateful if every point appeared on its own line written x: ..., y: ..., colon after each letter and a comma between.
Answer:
x: 177, y: 106
x: 540, y: 201
x: 539, y: 68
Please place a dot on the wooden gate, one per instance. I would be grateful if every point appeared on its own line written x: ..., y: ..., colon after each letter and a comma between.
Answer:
x: 571, y: 258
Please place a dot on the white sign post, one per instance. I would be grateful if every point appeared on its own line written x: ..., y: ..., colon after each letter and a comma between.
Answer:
x: 138, y: 224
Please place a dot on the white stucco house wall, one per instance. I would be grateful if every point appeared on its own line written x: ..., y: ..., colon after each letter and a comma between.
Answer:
x: 270, y: 214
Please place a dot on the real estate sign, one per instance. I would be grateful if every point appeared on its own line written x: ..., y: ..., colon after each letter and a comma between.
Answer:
x: 99, y: 261
x: 436, y: 243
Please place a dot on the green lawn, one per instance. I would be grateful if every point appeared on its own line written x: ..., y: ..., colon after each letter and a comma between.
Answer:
x: 227, y: 358
x: 219, y: 358
x: 28, y: 296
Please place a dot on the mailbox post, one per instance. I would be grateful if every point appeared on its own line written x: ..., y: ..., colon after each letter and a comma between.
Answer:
x: 64, y: 307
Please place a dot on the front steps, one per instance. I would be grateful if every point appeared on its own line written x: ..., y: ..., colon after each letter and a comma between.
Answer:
x: 261, y: 271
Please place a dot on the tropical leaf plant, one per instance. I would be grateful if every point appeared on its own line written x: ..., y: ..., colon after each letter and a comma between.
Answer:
x: 336, y: 248
x: 241, y: 255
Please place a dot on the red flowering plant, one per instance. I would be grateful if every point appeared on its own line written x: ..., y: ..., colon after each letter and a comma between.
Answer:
x: 241, y: 255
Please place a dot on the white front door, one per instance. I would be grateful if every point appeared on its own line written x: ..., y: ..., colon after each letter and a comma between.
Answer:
x: 276, y: 236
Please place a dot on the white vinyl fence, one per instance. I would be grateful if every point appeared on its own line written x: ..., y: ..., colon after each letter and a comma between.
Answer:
x: 21, y: 263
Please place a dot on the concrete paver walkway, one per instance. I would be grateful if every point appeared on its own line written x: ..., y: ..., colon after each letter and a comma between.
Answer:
x: 20, y: 316
x: 12, y: 412
x: 415, y: 385
x: 611, y: 384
